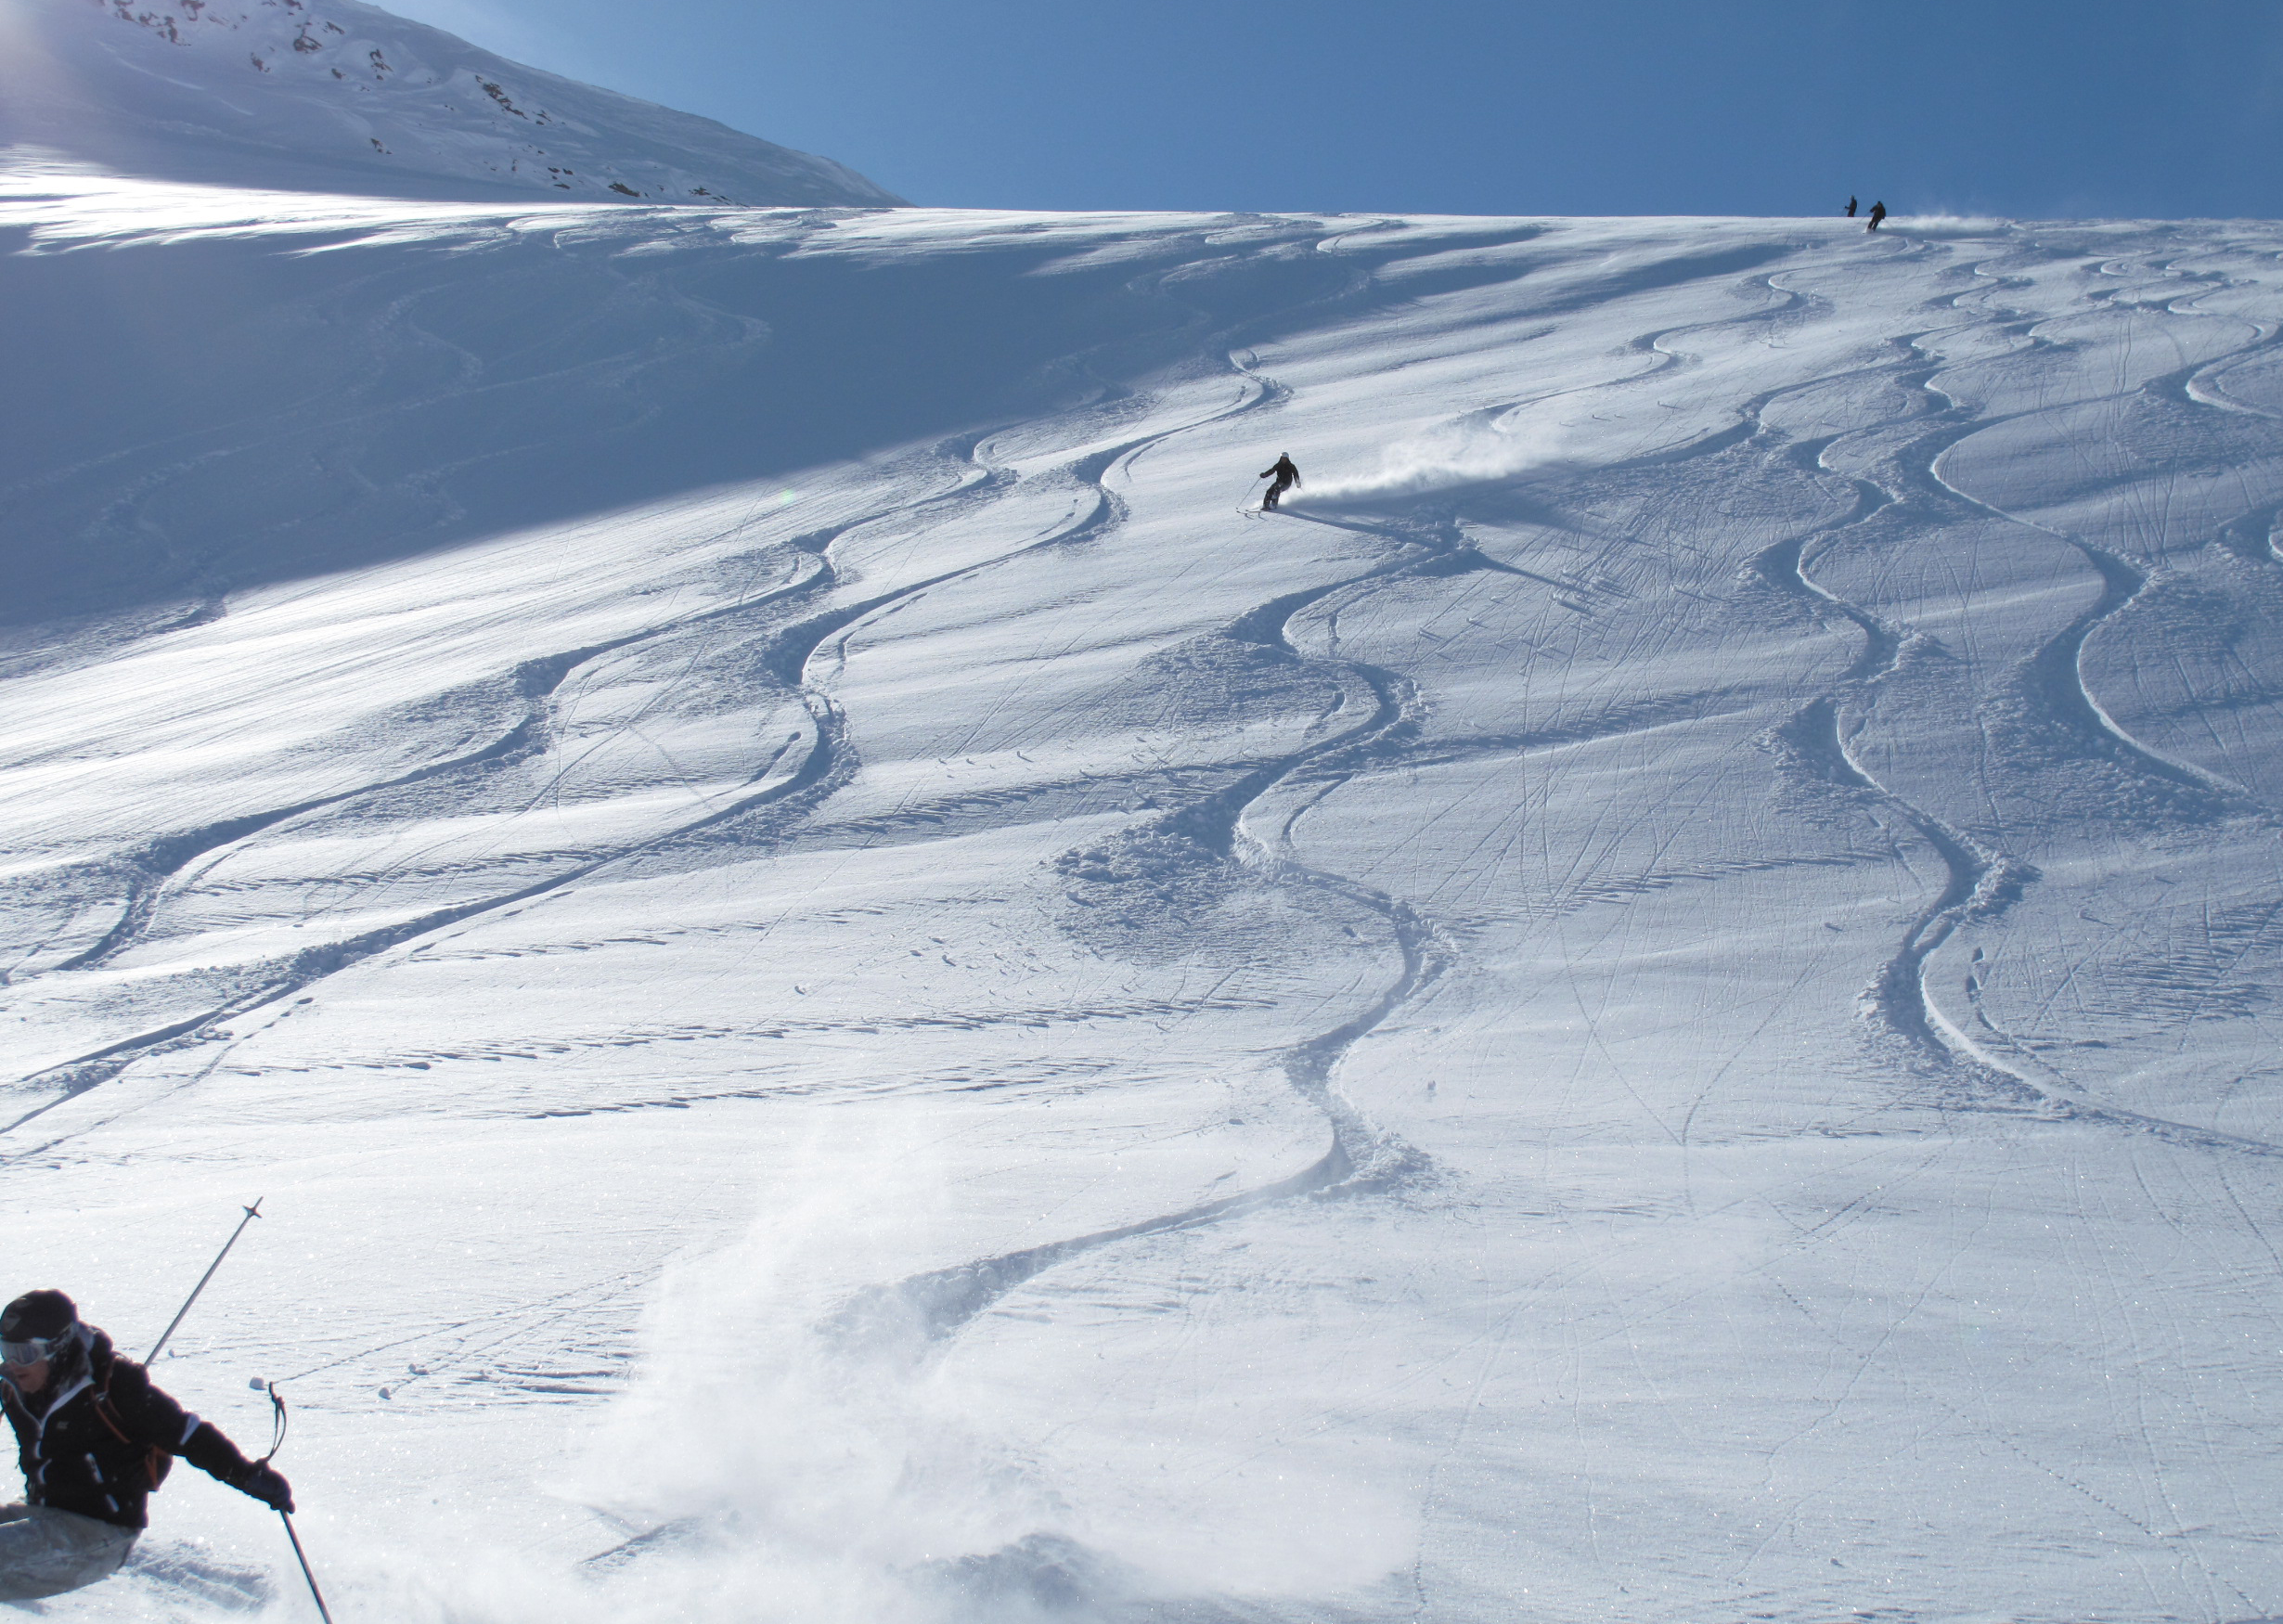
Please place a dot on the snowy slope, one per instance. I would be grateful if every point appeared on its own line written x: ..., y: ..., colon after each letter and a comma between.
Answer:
x: 856, y: 998
x: 334, y: 95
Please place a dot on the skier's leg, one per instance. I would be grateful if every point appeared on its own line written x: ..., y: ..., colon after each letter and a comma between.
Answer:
x: 44, y: 1552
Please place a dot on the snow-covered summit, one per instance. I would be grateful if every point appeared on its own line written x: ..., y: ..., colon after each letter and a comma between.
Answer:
x: 341, y: 96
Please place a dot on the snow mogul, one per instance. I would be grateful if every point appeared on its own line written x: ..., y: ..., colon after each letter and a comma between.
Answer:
x: 95, y: 1438
x: 1284, y: 474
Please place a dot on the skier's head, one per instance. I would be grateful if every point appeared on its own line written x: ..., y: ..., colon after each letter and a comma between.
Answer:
x: 38, y: 1331
x: 37, y: 1314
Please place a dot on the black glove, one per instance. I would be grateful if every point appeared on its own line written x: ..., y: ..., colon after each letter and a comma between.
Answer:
x: 268, y: 1484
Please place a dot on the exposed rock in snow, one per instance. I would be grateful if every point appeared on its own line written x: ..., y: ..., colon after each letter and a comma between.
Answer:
x: 339, y: 96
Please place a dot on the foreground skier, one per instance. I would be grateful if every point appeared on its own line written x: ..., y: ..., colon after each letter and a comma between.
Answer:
x: 1286, y: 476
x: 95, y: 1438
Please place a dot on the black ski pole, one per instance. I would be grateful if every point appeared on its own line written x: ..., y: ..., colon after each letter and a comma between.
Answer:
x: 315, y: 1594
x: 251, y: 1213
x: 277, y: 1442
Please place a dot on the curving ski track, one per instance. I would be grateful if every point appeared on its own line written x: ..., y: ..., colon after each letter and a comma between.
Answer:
x: 1594, y: 1240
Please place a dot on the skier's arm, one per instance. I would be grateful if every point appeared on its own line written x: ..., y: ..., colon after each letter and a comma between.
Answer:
x: 153, y: 1417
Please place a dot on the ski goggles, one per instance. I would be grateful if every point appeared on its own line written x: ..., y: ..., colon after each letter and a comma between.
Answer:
x: 31, y: 1350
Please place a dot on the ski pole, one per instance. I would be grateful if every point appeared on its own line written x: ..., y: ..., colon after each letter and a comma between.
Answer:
x: 277, y: 1442
x: 251, y: 1213
x: 315, y: 1594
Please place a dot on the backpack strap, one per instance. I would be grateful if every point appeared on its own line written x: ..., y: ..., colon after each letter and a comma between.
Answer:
x: 158, y: 1461
x: 105, y: 1414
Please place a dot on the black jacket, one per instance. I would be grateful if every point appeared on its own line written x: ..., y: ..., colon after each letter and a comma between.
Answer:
x: 99, y: 1436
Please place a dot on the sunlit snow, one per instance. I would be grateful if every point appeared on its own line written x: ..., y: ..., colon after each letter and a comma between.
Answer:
x: 856, y: 996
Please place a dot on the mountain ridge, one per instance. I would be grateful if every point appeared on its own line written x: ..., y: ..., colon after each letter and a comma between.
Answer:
x: 336, y: 94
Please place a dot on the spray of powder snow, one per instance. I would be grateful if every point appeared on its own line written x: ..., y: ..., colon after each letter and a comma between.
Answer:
x: 783, y: 1459
x: 1471, y: 451
x: 1945, y: 224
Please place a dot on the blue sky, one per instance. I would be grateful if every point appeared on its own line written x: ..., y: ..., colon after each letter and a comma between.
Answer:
x: 1625, y: 106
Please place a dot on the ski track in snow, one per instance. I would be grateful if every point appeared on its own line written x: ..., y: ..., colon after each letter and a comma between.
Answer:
x: 1343, y: 708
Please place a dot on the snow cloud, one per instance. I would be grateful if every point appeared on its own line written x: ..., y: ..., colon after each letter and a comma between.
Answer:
x: 1947, y: 224
x: 1451, y: 456
x: 796, y: 1451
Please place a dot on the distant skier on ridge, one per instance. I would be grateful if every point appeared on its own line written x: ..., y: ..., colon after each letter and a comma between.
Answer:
x: 95, y: 1438
x: 1850, y: 206
x: 1285, y: 475
x: 1879, y: 213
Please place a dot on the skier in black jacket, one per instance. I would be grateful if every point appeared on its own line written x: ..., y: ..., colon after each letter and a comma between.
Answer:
x: 1879, y: 213
x: 95, y: 1438
x: 1285, y: 475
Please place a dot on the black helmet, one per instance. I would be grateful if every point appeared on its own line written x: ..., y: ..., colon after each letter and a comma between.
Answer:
x: 46, y: 1314
x: 39, y: 1325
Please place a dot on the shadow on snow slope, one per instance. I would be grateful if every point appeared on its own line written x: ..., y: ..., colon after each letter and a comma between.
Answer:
x: 221, y: 414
